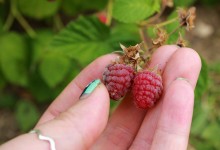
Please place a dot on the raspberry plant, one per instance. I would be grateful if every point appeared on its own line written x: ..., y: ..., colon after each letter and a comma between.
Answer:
x: 45, y: 43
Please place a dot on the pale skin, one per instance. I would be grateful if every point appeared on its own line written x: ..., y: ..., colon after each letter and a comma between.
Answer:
x: 85, y: 124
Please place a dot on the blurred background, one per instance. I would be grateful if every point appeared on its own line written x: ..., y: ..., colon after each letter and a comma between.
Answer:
x: 45, y: 43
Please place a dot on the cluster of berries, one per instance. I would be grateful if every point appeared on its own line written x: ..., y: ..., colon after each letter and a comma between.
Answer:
x: 128, y: 73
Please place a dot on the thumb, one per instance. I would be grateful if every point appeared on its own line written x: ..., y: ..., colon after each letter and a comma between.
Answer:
x: 82, y: 124
x: 76, y: 128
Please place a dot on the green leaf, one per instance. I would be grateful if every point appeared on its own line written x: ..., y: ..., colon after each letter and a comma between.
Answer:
x: 2, y: 81
x: 151, y: 32
x: 127, y: 34
x: 202, y: 83
x: 54, y: 68
x: 73, y: 7
x: 171, y: 27
x: 39, y: 45
x: 113, y: 106
x: 1, y: 25
x: 2, y: 13
x: 40, y: 90
x: 83, y: 40
x: 133, y: 11
x: 210, y: 2
x: 7, y: 100
x: 13, y: 57
x: 183, y: 3
x: 26, y: 115
x: 38, y: 9
x: 200, y: 144
x: 45, y: 94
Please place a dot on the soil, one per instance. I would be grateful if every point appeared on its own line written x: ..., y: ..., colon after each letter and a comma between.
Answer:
x: 205, y: 39
x: 8, y: 125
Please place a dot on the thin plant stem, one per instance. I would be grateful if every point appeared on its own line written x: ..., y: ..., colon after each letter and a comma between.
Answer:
x: 175, y: 29
x: 9, y: 22
x: 25, y: 25
x: 143, y: 36
x: 155, y: 17
x: 109, y: 12
x: 21, y: 20
x: 58, y: 22
x: 159, y: 24
x: 166, y: 22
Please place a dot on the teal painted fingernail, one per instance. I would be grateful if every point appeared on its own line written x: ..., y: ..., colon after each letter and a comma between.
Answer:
x: 89, y: 88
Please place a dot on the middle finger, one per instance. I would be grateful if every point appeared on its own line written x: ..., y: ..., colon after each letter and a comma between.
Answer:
x: 126, y: 120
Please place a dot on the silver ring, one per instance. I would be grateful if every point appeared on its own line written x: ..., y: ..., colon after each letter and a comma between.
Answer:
x: 44, y: 138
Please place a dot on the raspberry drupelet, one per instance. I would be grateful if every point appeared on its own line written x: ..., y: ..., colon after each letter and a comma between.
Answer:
x: 147, y: 89
x: 118, y: 80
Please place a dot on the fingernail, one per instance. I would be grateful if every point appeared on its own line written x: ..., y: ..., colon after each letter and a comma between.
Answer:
x: 89, y: 88
x: 181, y: 78
x: 118, y: 52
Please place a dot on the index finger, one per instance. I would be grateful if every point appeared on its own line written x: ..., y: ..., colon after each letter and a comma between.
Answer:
x: 71, y: 93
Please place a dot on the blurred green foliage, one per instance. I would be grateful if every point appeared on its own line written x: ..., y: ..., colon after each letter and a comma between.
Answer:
x: 37, y: 62
x: 13, y: 58
x: 38, y: 9
x: 26, y: 115
x: 133, y: 11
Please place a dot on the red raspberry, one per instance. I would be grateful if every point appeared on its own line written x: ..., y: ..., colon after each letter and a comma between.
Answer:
x: 118, y: 79
x: 147, y: 89
x: 102, y: 18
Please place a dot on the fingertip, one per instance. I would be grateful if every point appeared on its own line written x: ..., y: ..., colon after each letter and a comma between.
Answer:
x: 100, y: 95
x: 108, y: 57
x: 189, y: 52
x: 162, y: 55
x: 185, y: 63
x: 167, y: 47
x: 98, y: 99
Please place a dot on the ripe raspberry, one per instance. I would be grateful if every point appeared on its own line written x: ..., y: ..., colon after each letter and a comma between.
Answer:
x: 147, y: 89
x: 118, y: 79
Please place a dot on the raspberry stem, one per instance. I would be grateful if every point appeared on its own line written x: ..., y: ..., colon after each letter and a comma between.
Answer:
x: 166, y: 22
x: 155, y: 17
x: 23, y: 22
x: 9, y: 22
x: 143, y: 36
x: 172, y: 32
x: 109, y: 12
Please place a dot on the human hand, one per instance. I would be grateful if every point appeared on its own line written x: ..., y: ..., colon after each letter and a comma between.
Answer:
x: 82, y: 123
